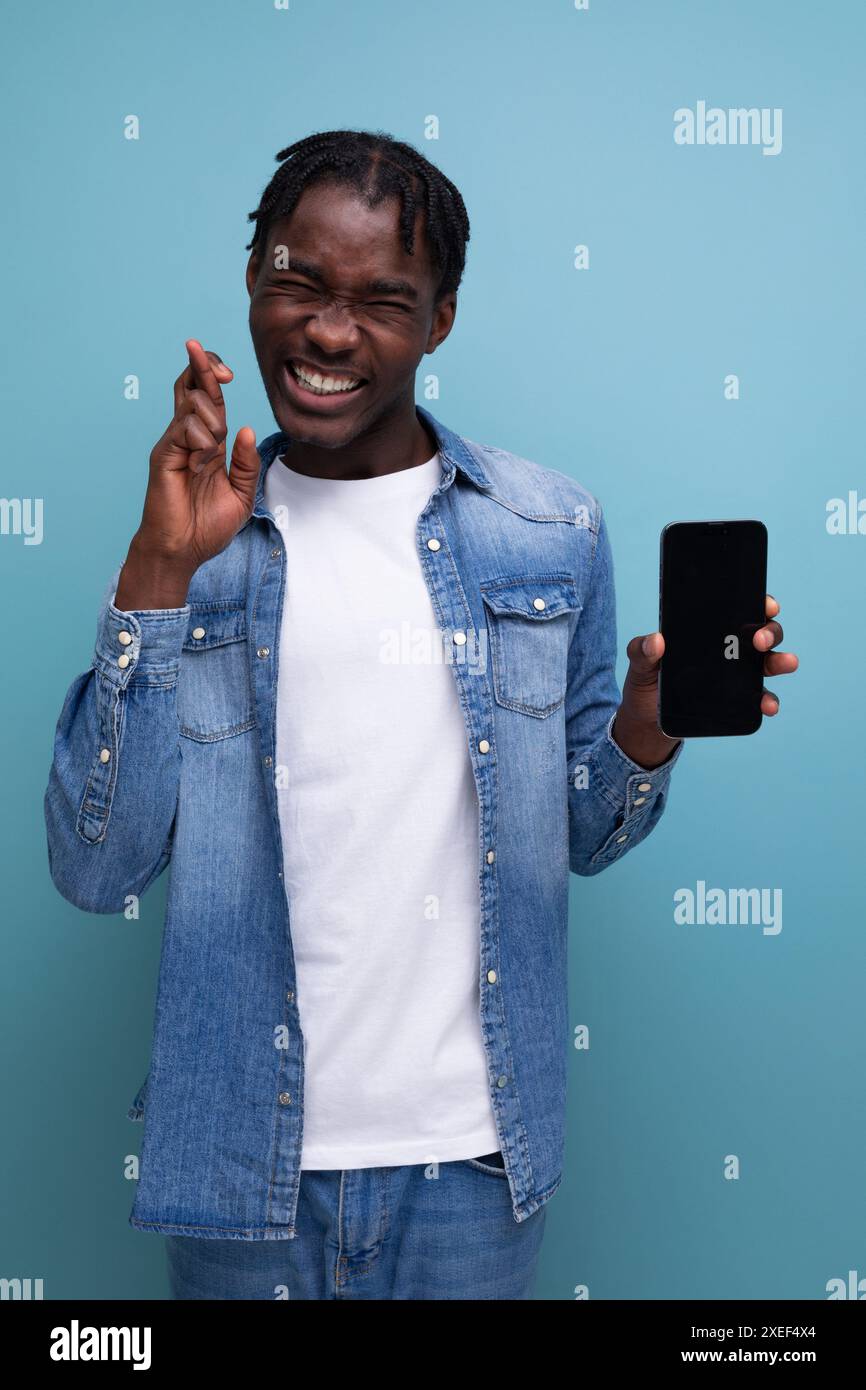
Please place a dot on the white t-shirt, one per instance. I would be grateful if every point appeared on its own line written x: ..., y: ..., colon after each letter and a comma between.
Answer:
x: 379, y: 822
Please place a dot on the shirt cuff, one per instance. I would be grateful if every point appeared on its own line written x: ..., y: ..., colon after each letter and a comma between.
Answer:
x: 148, y: 641
x: 626, y: 780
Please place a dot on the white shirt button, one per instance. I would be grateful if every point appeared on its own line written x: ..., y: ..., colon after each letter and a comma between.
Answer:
x: 491, y: 977
x: 460, y: 638
x: 538, y: 603
x: 198, y: 632
x: 123, y: 660
x: 643, y: 786
x: 621, y: 838
x: 491, y: 855
x: 105, y: 755
x: 639, y: 800
x: 484, y: 746
x: 124, y: 638
x: 432, y: 544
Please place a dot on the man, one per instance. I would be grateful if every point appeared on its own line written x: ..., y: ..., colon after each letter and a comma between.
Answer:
x: 359, y: 690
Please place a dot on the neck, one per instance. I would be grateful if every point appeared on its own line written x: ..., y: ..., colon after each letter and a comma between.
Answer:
x: 394, y: 442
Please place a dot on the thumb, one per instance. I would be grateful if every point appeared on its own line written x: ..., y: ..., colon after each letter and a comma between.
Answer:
x: 644, y: 655
x: 244, y: 466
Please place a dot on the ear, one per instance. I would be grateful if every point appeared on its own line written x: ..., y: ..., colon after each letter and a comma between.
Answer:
x: 252, y: 275
x: 444, y: 311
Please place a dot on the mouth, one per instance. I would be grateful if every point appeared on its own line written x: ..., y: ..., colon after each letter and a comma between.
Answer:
x: 320, y: 390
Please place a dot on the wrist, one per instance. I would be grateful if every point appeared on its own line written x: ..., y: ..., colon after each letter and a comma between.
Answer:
x: 645, y: 744
x: 150, y: 580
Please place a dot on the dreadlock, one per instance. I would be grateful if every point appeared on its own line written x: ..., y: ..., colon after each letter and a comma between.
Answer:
x: 378, y: 167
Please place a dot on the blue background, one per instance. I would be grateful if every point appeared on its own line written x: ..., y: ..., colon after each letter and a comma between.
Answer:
x: 557, y: 126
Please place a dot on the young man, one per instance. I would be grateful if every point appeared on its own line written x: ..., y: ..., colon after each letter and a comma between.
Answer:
x: 359, y: 691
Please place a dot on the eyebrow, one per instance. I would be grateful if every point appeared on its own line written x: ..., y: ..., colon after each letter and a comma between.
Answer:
x: 385, y: 286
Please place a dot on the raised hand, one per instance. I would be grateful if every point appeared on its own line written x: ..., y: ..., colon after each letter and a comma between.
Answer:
x: 193, y: 507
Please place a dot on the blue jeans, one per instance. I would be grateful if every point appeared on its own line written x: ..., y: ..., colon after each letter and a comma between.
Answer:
x: 378, y: 1233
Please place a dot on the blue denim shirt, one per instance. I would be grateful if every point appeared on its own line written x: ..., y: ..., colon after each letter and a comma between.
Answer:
x: 164, y: 753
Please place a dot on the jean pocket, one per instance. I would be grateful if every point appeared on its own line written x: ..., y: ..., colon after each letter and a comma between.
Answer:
x: 489, y: 1163
x: 530, y: 620
x: 214, y: 691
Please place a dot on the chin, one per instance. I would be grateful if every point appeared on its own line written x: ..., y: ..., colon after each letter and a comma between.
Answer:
x: 325, y: 434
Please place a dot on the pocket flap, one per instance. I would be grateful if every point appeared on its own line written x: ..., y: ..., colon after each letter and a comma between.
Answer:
x: 212, y: 624
x: 532, y: 596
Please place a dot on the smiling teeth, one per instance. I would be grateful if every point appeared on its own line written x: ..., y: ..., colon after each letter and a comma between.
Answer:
x: 324, y: 385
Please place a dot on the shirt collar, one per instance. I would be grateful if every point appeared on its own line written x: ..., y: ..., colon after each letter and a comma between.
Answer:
x: 453, y: 450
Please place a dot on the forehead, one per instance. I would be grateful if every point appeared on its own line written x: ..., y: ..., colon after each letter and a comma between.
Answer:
x: 333, y: 228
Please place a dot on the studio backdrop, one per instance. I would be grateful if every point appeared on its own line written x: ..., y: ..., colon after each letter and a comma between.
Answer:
x: 663, y: 299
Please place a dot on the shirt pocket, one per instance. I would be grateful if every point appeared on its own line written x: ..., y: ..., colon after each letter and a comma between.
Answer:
x: 530, y: 619
x: 214, y: 694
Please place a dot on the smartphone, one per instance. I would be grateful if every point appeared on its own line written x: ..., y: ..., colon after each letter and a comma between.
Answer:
x: 712, y: 589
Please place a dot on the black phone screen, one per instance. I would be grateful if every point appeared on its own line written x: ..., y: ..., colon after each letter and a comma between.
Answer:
x: 713, y: 579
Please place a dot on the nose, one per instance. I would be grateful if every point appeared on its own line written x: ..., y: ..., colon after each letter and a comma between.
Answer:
x: 333, y: 329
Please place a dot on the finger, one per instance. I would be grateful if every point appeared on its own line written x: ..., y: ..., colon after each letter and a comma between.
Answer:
x: 245, y: 466
x: 204, y: 366
x: 186, y: 381
x: 771, y: 606
x: 200, y: 442
x: 768, y: 636
x: 780, y: 663
x: 769, y: 702
x: 202, y: 369
x: 198, y: 403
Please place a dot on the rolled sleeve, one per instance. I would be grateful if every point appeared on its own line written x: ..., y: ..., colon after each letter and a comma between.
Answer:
x: 113, y: 784
x: 151, y: 640
x: 613, y: 803
x: 636, y: 795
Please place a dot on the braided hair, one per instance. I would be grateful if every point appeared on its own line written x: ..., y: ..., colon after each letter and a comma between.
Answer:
x: 377, y: 167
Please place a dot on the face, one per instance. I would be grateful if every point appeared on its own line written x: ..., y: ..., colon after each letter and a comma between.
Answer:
x: 352, y: 311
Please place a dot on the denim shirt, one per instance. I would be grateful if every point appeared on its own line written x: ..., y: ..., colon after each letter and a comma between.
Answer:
x: 164, y: 753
